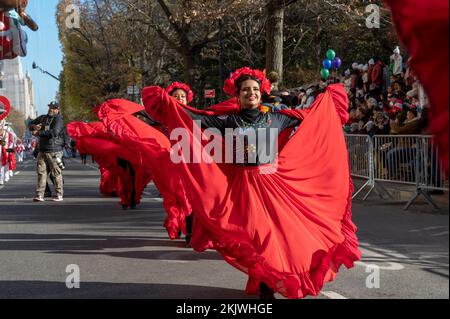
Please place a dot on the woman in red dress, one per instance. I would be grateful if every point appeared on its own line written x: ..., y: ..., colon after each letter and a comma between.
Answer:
x: 147, y: 140
x: 283, y: 219
x: 120, y: 169
x: 183, y: 94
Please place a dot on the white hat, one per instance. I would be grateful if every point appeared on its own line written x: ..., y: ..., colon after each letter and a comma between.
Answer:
x: 369, y: 125
x: 372, y: 101
x: 371, y: 61
x: 366, y: 67
x: 355, y: 66
x: 397, y: 50
x: 347, y: 72
x: 361, y: 67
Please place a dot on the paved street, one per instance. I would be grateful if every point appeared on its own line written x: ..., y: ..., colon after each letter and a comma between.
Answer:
x: 127, y: 254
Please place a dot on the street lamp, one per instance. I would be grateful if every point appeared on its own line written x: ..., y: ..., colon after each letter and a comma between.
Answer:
x: 35, y: 66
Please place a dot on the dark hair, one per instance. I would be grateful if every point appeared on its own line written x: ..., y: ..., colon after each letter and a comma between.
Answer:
x: 273, y: 77
x: 244, y: 78
x: 413, y: 111
x: 176, y: 89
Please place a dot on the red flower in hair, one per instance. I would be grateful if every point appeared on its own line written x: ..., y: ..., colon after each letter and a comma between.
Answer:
x: 181, y: 86
x: 230, y: 84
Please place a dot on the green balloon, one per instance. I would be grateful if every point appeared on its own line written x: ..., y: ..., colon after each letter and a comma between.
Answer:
x: 325, y: 73
x: 331, y: 54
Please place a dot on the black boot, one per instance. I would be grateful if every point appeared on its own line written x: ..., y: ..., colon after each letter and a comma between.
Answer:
x: 265, y: 292
x: 189, y: 224
x: 188, y: 240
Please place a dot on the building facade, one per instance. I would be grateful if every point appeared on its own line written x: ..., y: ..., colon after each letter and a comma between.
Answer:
x: 17, y: 87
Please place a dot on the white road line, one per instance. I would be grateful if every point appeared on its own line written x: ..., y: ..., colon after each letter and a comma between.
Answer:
x: 384, y: 255
x: 441, y: 233
x: 17, y: 173
x: 434, y: 227
x: 174, y: 261
x: 392, y: 266
x: 332, y: 295
x: 149, y: 194
x: 92, y: 166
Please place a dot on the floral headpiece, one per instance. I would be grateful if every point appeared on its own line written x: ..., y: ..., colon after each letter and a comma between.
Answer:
x: 230, y: 84
x: 181, y: 86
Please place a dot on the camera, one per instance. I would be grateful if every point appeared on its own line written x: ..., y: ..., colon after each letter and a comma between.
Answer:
x: 59, y: 162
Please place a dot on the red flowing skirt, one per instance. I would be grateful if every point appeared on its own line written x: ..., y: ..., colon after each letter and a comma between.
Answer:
x: 95, y: 140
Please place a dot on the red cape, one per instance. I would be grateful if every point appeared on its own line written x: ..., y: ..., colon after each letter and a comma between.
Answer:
x: 257, y: 218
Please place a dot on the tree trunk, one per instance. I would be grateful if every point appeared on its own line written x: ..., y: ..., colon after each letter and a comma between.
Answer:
x: 188, y: 65
x: 274, y: 39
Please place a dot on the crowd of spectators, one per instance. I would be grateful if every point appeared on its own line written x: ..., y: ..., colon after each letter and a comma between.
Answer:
x: 383, y: 98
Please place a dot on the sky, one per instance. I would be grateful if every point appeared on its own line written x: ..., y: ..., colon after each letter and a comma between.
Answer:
x: 43, y: 48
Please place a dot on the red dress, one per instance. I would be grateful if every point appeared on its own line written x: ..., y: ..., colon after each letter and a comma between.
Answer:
x: 152, y: 147
x: 287, y: 224
x: 94, y: 139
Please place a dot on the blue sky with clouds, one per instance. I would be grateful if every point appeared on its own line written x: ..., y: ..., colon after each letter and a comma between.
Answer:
x: 43, y: 48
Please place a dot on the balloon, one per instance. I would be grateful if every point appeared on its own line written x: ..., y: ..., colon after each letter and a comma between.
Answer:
x: 331, y: 54
x: 325, y: 73
x: 337, y: 62
x: 327, y: 64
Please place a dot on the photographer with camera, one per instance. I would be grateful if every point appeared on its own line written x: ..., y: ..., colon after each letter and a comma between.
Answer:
x: 50, y: 131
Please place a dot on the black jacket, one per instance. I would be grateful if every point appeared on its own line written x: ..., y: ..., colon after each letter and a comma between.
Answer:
x: 262, y: 124
x: 50, y: 139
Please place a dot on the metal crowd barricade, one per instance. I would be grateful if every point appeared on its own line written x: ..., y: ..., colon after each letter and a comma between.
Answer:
x: 395, y: 158
x: 430, y: 172
x: 403, y: 159
x: 360, y: 154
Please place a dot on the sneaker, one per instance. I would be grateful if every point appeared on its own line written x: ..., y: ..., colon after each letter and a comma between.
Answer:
x: 38, y: 199
x: 58, y: 198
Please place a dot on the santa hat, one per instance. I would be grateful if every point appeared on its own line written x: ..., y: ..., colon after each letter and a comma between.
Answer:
x: 397, y: 50
x: 371, y: 62
x: 398, y: 106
